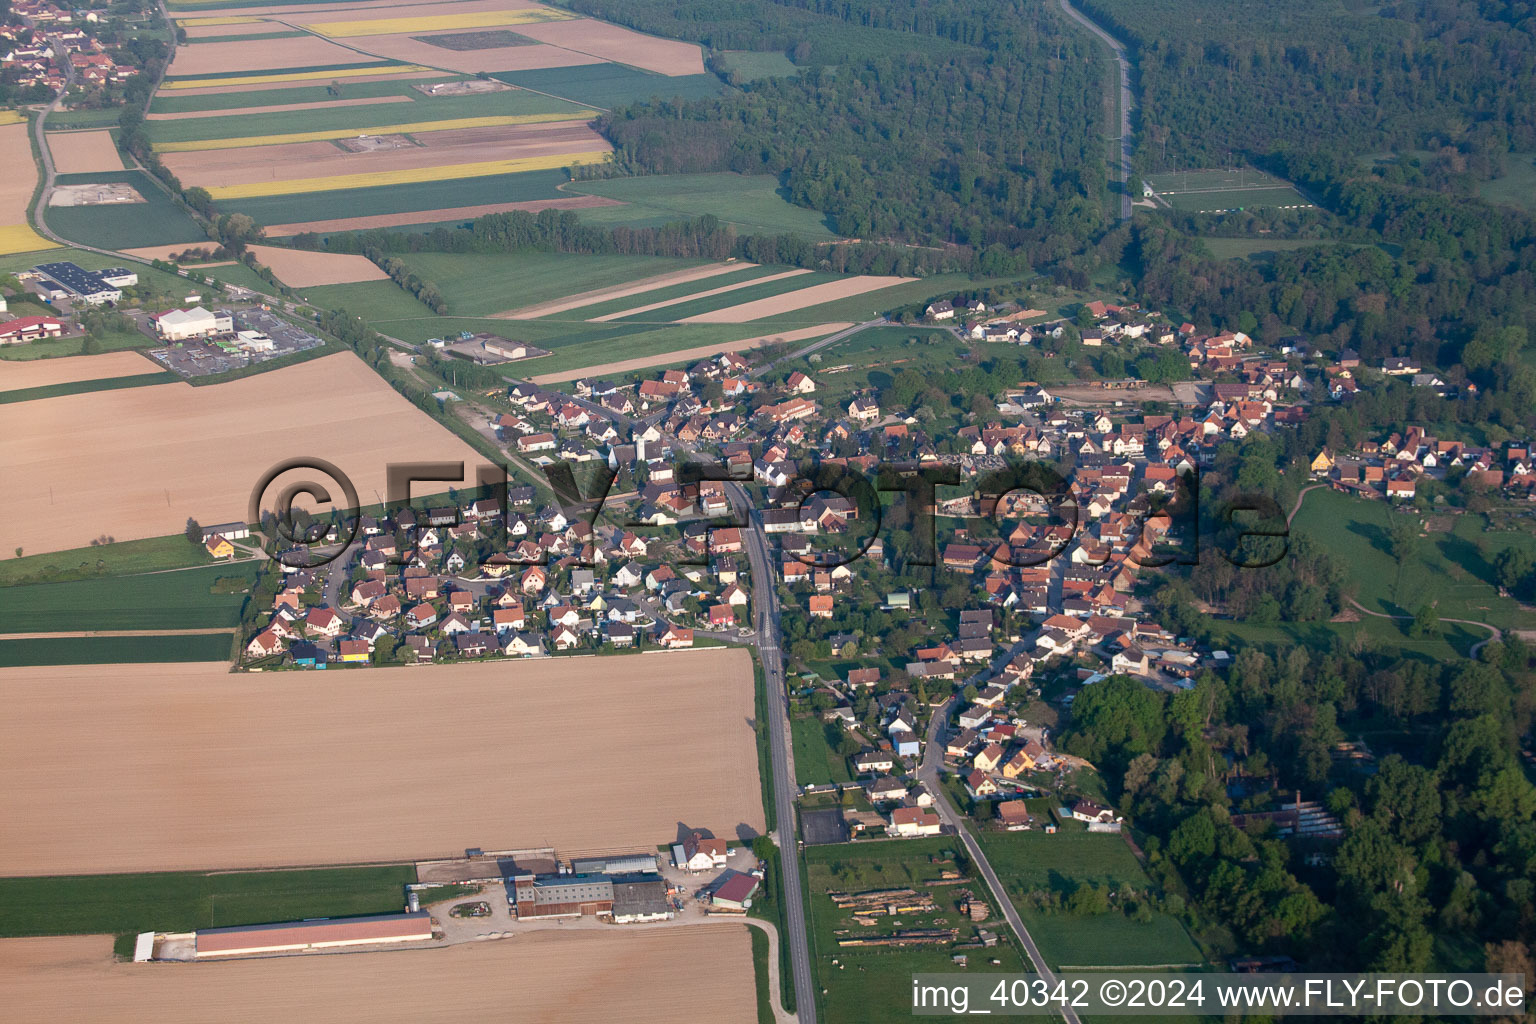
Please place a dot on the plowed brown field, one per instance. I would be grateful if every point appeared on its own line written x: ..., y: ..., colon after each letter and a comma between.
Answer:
x: 260, y: 55
x: 299, y: 269
x: 38, y: 373
x: 83, y: 152
x: 138, y: 462
x: 620, y: 45
x: 407, y: 47
x: 219, y: 167
x: 815, y: 295
x: 544, y: 977
x: 193, y: 767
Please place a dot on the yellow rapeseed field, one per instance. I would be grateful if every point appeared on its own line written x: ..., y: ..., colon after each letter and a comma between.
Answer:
x: 410, y: 176
x: 416, y: 127
x: 293, y: 76
x: 16, y: 238
x: 16, y: 117
x: 440, y: 23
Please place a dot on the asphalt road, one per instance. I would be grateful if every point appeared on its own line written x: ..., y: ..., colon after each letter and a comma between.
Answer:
x: 928, y: 773
x: 765, y: 600
x: 1127, y: 100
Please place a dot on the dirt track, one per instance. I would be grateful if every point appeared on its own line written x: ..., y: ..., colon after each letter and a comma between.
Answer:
x: 299, y: 269
x: 389, y: 220
x: 38, y: 373
x: 193, y: 767
x: 545, y: 977
x: 688, y: 355
x: 137, y: 462
x: 815, y: 295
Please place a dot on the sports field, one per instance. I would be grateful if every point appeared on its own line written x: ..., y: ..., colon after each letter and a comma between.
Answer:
x: 358, y: 769
x: 138, y: 462
x: 1225, y: 191
x: 581, y: 977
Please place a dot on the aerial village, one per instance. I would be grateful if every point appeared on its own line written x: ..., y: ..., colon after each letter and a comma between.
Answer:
x: 663, y: 566
x: 60, y: 47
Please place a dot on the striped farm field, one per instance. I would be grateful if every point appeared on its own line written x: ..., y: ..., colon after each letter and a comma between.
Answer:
x: 437, y: 23
x: 302, y: 207
x: 705, y: 301
x: 789, y: 302
x: 363, y: 71
x: 411, y: 176
x: 410, y: 128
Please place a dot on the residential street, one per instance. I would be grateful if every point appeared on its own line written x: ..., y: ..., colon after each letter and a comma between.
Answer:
x: 928, y: 774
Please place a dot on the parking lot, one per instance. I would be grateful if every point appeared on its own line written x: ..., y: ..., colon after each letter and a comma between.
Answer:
x: 202, y: 357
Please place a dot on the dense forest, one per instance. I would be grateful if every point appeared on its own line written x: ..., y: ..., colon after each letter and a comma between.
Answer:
x: 1223, y: 79
x: 978, y: 125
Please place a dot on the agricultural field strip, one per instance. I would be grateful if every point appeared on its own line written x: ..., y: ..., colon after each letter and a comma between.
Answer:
x: 38, y: 373
x: 699, y: 295
x: 408, y: 128
x: 20, y: 179
x: 298, y: 775
x: 410, y: 176
x: 797, y: 300
x: 437, y: 23
x: 445, y: 215
x: 620, y: 291
x: 639, y: 975
x: 221, y: 84
x: 687, y: 355
x: 746, y: 275
x: 276, y: 108
x: 756, y: 291
x: 137, y: 463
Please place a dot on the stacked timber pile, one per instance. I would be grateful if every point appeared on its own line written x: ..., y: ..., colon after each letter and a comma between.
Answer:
x: 909, y: 937
x: 875, y: 902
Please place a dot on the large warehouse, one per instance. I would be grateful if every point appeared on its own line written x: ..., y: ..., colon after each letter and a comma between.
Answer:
x: 329, y: 933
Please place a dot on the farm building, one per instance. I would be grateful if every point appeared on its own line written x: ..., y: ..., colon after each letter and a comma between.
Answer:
x: 30, y: 328
x: 624, y: 864
x: 733, y: 891
x: 640, y: 901
x: 331, y: 933
x: 562, y: 896
x: 229, y: 531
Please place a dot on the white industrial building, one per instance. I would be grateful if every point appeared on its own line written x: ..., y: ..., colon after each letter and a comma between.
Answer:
x: 197, y: 322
